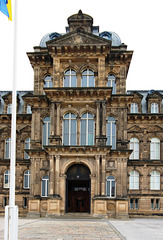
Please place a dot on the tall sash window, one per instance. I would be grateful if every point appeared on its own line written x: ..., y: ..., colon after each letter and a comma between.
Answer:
x: 87, y: 129
x: 70, y: 79
x: 88, y: 79
x: 69, y: 129
x: 46, y: 130
x: 112, y: 83
x: 111, y: 132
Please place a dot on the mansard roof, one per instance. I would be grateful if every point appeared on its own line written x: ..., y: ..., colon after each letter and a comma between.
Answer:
x: 84, y: 22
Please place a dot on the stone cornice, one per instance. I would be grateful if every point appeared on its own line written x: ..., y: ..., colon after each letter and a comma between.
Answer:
x: 78, y: 93
x: 144, y: 116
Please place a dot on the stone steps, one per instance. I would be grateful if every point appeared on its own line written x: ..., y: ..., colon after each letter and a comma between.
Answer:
x: 75, y: 216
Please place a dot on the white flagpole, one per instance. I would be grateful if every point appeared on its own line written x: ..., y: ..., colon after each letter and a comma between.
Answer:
x: 11, y: 211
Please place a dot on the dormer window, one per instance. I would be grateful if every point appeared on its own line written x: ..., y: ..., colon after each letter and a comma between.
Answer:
x: 154, y: 108
x: 29, y: 111
x: 134, y: 108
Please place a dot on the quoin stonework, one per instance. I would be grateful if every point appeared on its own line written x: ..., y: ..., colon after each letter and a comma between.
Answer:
x: 84, y: 143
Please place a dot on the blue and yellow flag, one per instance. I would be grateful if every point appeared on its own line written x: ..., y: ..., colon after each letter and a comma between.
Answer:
x: 5, y: 7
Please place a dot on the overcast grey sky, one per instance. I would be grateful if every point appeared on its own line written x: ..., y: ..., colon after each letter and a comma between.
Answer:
x: 137, y: 22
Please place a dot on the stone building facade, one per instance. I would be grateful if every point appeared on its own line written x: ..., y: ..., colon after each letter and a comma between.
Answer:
x: 84, y: 144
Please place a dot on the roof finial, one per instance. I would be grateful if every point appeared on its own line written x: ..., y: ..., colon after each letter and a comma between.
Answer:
x: 80, y: 12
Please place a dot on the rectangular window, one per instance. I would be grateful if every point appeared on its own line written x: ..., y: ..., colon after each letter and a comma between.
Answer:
x: 136, y: 203
x: 83, y: 132
x: 5, y: 201
x: 152, y: 204
x: 157, y: 204
x: 131, y: 203
x: 113, y: 189
x: 24, y: 202
x: 66, y: 132
x: 73, y: 132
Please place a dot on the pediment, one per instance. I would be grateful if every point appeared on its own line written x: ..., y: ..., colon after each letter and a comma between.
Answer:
x: 154, y: 129
x: 26, y: 128
x: 5, y: 128
x: 135, y: 128
x: 28, y: 94
x: 154, y: 94
x: 137, y: 94
x: 78, y: 38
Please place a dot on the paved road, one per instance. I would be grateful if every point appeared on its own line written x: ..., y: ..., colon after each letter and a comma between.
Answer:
x: 140, y: 228
x: 64, y: 229
x: 60, y: 229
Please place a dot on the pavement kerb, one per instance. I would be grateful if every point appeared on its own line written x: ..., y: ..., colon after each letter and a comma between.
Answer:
x: 116, y: 230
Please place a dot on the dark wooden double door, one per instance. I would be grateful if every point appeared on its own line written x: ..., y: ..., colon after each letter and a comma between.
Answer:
x: 78, y: 188
x: 78, y: 196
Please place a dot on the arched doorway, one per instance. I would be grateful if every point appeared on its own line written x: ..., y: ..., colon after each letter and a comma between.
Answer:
x: 78, y: 188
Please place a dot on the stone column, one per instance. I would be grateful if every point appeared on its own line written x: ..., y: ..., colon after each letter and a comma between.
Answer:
x: 119, y: 183
x: 35, y: 177
x: 101, y: 71
x: 97, y: 184
x: 37, y: 190
x: 51, y: 182
x: 93, y: 182
x: 57, y: 172
x: 33, y: 125
x: 56, y: 72
x: 32, y: 177
x: 38, y: 127
x: 37, y: 89
x: 103, y: 175
x: 124, y: 176
x: 63, y: 192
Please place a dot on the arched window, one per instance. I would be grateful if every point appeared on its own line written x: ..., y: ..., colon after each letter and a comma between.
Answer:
x: 134, y: 180
x: 45, y: 186
x: 8, y: 148
x: 134, y: 145
x: 154, y: 108
x: 9, y: 109
x: 112, y: 83
x: 48, y: 81
x: 46, y: 130
x: 7, y: 179
x: 69, y: 129
x: 155, y: 180
x: 111, y: 132
x: 88, y: 79
x: 27, y: 146
x: 87, y: 129
x: 110, y: 187
x: 155, y: 148
x: 134, y: 108
x: 70, y: 79
x: 27, y: 179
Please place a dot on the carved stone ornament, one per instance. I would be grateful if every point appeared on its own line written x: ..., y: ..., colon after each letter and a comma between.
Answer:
x: 77, y: 40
